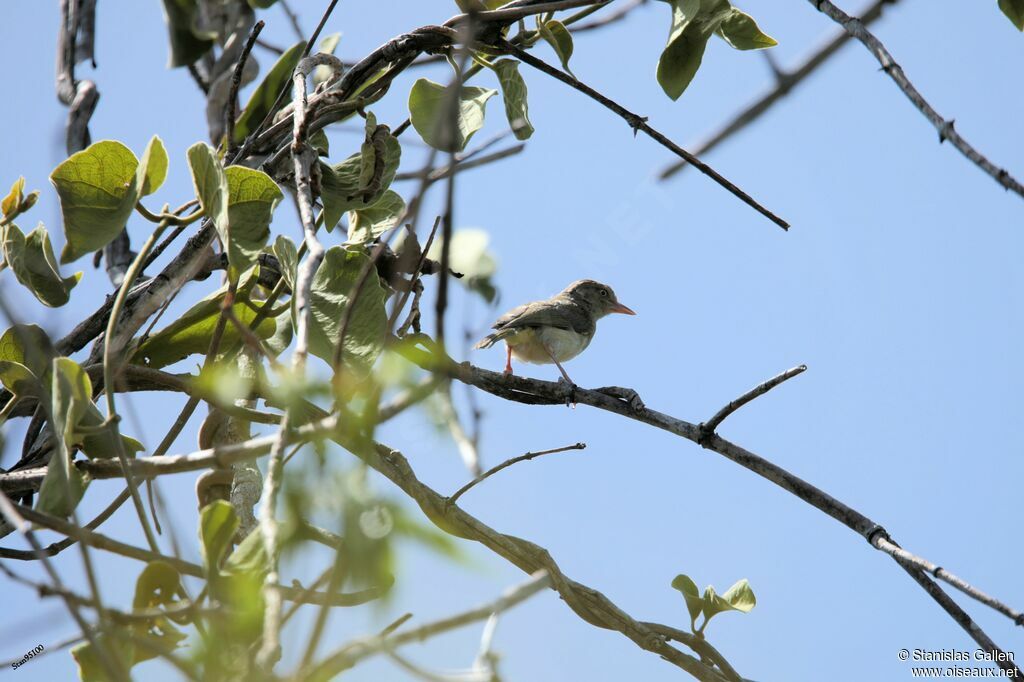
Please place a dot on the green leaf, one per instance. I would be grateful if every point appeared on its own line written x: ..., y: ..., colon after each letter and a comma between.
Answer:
x: 217, y: 526
x: 265, y: 95
x: 252, y: 198
x: 14, y: 198
x: 691, y: 594
x: 513, y: 91
x: 34, y: 265
x: 64, y: 485
x: 261, y: 4
x: 742, y: 32
x: 693, y: 23
x: 560, y: 40
x: 369, y: 223
x: 153, y: 166
x: 287, y: 258
x: 25, y: 357
x: 98, y: 190
x: 250, y: 556
x: 739, y: 597
x: 90, y: 669
x: 158, y: 584
x: 470, y: 257
x: 191, y: 332
x: 1014, y: 11
x: 430, y: 111
x: 187, y: 43
x: 332, y: 285
x: 340, y: 187
x: 211, y: 185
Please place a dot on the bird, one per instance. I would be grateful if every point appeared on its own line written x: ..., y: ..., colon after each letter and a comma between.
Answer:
x: 557, y: 329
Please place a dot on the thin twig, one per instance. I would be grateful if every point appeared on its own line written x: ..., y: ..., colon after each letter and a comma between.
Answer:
x: 637, y: 122
x: 236, y: 83
x: 785, y: 81
x: 857, y: 29
x: 509, y: 462
x: 710, y: 425
x: 353, y: 652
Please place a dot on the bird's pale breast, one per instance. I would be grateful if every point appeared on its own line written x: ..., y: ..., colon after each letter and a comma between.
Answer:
x: 565, y: 344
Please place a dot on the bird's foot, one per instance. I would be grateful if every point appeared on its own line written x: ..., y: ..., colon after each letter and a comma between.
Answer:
x: 570, y: 398
x: 627, y: 394
x: 508, y: 371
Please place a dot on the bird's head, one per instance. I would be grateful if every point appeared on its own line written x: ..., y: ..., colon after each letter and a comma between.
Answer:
x: 596, y: 297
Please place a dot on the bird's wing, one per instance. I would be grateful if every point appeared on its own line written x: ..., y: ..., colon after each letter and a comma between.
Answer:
x: 541, y: 314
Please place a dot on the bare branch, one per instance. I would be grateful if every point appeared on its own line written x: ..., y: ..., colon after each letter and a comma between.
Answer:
x: 236, y: 82
x: 637, y: 122
x: 537, y: 392
x: 509, y: 462
x: 857, y: 29
x: 710, y: 425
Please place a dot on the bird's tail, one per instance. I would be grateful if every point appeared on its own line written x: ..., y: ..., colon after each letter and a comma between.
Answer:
x: 489, y: 340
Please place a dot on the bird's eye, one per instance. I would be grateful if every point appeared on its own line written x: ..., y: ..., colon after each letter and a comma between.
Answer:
x: 604, y: 292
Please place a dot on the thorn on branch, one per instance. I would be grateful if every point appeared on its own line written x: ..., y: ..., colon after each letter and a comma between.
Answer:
x: 946, y: 130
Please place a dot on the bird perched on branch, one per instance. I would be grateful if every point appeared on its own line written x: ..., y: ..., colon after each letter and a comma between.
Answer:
x: 557, y: 329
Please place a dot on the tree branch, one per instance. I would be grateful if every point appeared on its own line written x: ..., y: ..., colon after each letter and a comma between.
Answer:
x: 710, y: 425
x: 637, y: 122
x: 857, y: 29
x: 507, y: 463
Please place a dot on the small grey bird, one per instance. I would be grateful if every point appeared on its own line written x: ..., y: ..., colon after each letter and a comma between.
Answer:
x: 557, y: 329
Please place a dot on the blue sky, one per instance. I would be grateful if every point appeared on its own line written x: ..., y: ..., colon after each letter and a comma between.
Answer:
x: 899, y: 285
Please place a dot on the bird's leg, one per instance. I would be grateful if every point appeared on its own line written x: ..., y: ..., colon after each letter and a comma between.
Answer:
x: 508, y: 359
x: 571, y: 400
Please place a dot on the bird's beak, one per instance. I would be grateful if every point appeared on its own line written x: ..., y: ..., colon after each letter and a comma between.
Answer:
x: 619, y: 308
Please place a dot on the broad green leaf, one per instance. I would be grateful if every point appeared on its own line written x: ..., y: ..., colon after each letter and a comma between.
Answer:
x: 34, y: 265
x: 369, y: 223
x: 340, y: 187
x: 25, y: 357
x: 742, y: 32
x: 1014, y: 11
x: 250, y: 556
x: 191, y: 332
x: 17, y: 379
x: 211, y: 185
x: 560, y: 40
x: 153, y: 167
x: 430, y: 109
x: 187, y: 43
x: 323, y: 73
x: 287, y: 258
x: 513, y: 91
x: 90, y: 669
x: 217, y: 526
x: 470, y: 257
x: 691, y: 594
x: 265, y: 95
x: 693, y: 23
x: 98, y: 191
x: 333, y: 283
x: 158, y: 584
x: 63, y: 485
x: 252, y: 197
